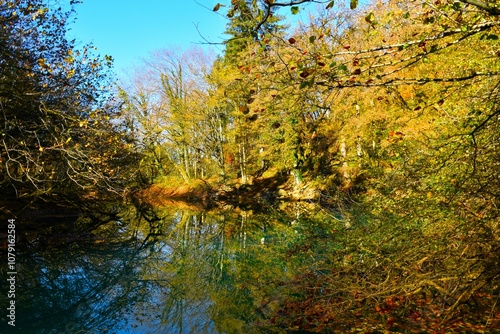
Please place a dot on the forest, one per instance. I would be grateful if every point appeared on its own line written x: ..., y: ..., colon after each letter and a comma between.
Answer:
x: 384, y: 113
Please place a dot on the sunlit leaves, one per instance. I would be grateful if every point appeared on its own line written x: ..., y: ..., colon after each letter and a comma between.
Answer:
x: 330, y: 4
x: 60, y: 85
x: 343, y: 68
x: 364, y: 111
x: 294, y: 10
x: 370, y: 18
x: 353, y: 4
x: 244, y: 109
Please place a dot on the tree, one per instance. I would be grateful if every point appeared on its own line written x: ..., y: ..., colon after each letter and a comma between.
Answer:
x: 141, y: 115
x: 407, y: 95
x: 168, y: 113
x: 54, y: 104
x: 243, y: 16
x: 237, y: 87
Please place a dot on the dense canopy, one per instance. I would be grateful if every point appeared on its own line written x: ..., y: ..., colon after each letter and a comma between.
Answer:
x: 385, y: 113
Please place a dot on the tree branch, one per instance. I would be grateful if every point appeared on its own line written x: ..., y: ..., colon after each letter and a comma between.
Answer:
x: 484, y: 6
x: 269, y: 6
x: 293, y: 3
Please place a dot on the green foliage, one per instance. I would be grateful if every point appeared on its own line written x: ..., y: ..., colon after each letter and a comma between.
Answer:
x: 242, y: 30
x: 403, y: 123
x: 392, y: 114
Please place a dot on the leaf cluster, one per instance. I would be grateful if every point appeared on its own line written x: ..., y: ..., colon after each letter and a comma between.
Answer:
x: 54, y: 103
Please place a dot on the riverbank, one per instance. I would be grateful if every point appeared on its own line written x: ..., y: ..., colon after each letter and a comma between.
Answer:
x: 208, y: 192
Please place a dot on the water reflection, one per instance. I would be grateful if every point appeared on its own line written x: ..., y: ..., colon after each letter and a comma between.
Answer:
x: 167, y: 270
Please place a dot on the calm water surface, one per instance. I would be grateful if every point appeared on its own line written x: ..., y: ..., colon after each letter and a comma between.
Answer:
x: 171, y: 270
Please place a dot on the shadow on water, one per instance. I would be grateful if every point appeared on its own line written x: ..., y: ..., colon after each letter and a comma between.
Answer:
x: 175, y: 269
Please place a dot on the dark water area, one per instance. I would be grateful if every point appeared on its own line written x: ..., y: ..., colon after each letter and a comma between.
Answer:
x: 176, y: 269
x: 293, y: 267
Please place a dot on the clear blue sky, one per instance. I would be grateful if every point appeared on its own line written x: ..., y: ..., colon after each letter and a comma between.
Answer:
x: 128, y: 30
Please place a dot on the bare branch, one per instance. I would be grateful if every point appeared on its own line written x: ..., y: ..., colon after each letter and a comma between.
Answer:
x: 484, y: 6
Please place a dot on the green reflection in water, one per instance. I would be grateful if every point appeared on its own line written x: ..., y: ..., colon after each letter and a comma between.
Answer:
x: 170, y: 270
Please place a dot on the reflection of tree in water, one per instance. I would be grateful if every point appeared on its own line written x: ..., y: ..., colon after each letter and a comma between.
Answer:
x: 78, y: 285
x: 147, y: 271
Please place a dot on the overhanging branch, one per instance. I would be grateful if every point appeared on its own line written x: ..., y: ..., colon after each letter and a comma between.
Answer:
x: 483, y: 5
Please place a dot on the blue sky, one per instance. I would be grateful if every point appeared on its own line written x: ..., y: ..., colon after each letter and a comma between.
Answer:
x: 128, y: 30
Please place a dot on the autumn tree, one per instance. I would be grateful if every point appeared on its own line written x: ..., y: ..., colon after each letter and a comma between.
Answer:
x: 407, y: 95
x: 54, y: 104
x: 168, y: 111
x: 234, y: 76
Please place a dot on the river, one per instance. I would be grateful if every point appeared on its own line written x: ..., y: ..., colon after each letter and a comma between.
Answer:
x: 174, y: 269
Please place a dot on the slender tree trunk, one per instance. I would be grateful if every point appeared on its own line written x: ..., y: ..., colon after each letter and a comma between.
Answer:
x: 243, y: 161
x: 297, y: 176
x: 222, y: 163
x: 185, y: 154
x: 343, y: 153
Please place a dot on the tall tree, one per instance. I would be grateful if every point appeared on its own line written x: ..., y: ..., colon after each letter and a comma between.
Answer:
x: 243, y: 16
x: 238, y: 81
x: 412, y: 97
x: 167, y: 106
x: 53, y: 106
